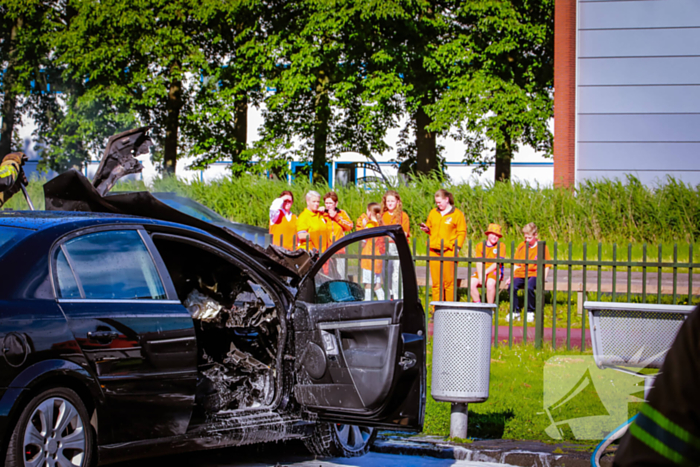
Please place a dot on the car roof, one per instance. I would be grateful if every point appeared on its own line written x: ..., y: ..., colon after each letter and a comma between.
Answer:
x: 39, y: 220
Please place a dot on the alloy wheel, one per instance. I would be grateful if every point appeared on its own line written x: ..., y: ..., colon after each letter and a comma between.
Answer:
x: 353, y: 437
x: 55, y: 435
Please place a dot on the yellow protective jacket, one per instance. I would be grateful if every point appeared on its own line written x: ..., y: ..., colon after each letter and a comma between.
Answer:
x: 9, y: 171
x: 448, y: 228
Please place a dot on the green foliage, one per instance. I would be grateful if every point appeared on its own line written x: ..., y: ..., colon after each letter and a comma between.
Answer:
x: 238, y: 56
x: 598, y: 211
x: 148, y: 62
x: 70, y: 135
x: 498, y: 66
x: 332, y: 76
x: 27, y: 28
x: 333, y: 90
x: 601, y: 211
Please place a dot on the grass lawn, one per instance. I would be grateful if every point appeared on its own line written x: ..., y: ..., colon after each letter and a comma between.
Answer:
x: 514, y: 409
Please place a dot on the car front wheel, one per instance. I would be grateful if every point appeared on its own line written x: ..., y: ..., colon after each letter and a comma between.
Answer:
x: 338, y: 440
x: 53, y: 430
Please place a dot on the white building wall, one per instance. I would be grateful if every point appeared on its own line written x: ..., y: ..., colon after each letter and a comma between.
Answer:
x: 638, y: 90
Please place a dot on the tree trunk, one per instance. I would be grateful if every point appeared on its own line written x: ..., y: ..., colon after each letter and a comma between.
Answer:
x: 426, y: 144
x: 321, y: 124
x: 240, y: 125
x: 172, y: 120
x: 504, y: 154
x: 9, y: 102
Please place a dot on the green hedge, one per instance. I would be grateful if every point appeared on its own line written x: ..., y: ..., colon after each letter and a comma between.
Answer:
x: 605, y: 211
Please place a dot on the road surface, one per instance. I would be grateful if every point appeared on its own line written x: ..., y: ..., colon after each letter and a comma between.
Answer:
x: 293, y: 454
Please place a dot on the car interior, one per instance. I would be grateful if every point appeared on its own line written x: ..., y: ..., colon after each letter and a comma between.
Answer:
x: 236, y: 322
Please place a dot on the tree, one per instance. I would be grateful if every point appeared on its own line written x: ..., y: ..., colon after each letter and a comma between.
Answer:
x: 238, y: 56
x: 414, y: 35
x: 499, y: 66
x: 26, y: 27
x: 75, y: 125
x: 145, y: 56
x: 332, y: 90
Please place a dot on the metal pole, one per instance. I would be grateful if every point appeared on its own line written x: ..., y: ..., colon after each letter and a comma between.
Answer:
x: 458, y: 420
x: 26, y: 196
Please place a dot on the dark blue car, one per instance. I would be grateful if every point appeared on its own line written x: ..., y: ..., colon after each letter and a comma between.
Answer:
x: 125, y: 336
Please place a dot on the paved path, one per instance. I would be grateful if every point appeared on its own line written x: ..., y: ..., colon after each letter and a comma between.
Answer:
x: 561, y: 335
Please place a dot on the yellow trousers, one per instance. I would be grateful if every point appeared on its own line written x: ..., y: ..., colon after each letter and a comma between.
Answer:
x: 447, y: 287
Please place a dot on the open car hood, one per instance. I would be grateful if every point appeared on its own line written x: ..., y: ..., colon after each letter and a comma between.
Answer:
x: 72, y: 191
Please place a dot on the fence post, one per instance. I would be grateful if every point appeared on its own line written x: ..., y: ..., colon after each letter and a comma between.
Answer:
x: 539, y: 298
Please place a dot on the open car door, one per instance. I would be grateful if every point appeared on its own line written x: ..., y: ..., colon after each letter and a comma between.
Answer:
x: 360, y: 333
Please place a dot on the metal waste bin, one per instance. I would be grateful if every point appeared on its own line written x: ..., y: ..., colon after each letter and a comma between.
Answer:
x: 461, y: 357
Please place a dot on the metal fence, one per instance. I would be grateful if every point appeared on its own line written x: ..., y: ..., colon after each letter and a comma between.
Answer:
x: 590, y: 277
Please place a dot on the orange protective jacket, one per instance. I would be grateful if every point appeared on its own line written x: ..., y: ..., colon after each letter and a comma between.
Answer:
x: 448, y: 228
x: 283, y: 231
x: 519, y: 269
x: 339, y: 224
x: 392, y: 219
x: 499, y: 250
x: 361, y: 221
x: 316, y: 224
x: 378, y: 250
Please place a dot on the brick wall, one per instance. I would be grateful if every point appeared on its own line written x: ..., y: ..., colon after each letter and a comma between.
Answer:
x: 564, y: 92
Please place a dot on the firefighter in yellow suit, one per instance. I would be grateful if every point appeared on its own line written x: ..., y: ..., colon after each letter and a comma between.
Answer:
x: 666, y: 431
x: 11, y: 175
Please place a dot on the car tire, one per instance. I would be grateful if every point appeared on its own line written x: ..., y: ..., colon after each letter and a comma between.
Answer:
x: 338, y: 440
x: 35, y: 434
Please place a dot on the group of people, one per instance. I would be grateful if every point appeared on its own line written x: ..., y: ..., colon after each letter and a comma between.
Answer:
x: 319, y: 226
x: 492, y: 273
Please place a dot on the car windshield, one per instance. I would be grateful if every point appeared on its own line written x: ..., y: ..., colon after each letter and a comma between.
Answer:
x: 9, y: 236
x: 192, y: 209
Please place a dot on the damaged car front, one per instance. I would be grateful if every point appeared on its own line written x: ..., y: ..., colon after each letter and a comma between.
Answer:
x: 268, y: 344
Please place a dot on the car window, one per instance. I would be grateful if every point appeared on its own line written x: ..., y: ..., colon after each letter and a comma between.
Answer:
x: 113, y: 265
x: 367, y: 270
x: 67, y: 286
x: 9, y: 236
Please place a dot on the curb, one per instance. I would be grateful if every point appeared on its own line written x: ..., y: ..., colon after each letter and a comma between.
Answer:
x: 511, y: 452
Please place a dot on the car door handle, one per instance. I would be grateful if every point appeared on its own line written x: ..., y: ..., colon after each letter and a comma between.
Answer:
x: 102, y: 336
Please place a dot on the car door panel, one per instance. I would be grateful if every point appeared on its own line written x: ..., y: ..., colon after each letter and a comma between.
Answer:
x: 144, y: 356
x: 142, y: 350
x: 362, y: 361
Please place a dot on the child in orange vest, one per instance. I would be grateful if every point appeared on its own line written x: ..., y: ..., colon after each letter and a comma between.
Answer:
x: 527, y: 250
x: 283, y: 223
x: 372, y: 268
x: 488, y: 273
